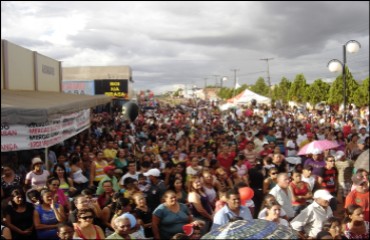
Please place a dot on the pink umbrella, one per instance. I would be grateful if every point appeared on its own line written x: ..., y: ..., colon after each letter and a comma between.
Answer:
x: 319, y: 145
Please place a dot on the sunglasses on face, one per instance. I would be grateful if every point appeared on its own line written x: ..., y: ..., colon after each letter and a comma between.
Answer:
x: 87, y: 217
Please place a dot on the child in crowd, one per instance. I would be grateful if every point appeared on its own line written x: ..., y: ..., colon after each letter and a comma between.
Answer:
x: 193, y: 232
x: 221, y: 200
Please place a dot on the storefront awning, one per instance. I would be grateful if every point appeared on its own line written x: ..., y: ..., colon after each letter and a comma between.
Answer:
x: 25, y: 107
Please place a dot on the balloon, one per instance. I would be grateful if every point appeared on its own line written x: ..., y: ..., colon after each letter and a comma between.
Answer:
x: 246, y: 193
x: 130, y: 110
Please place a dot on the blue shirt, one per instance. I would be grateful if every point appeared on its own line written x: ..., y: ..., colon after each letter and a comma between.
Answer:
x: 224, y: 215
x: 170, y: 222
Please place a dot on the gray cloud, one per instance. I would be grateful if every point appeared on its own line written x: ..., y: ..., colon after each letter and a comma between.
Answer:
x: 169, y: 43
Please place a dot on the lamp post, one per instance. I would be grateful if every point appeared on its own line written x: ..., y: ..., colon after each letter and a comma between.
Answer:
x: 335, y: 65
x: 223, y: 79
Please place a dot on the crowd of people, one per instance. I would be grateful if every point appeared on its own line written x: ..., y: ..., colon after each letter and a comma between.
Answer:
x: 177, y: 172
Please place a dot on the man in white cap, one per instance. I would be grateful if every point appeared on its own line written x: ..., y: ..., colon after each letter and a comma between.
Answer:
x: 157, y: 189
x: 311, y: 219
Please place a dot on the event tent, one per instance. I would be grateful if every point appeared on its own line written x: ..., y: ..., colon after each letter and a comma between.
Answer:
x: 36, y: 119
x: 247, y: 96
x: 25, y: 107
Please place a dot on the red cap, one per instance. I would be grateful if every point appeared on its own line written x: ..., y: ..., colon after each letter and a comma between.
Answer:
x: 188, y: 229
x: 107, y: 168
x: 309, y: 134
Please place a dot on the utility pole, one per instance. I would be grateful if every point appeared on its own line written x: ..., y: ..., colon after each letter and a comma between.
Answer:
x: 216, y: 81
x: 234, y: 80
x: 268, y: 74
x: 205, y: 88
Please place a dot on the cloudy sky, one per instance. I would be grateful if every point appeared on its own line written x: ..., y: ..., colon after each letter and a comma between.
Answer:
x: 172, y: 44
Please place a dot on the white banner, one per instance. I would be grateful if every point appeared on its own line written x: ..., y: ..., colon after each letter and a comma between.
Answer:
x: 42, y: 135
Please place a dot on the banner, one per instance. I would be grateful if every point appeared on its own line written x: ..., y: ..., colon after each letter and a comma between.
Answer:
x: 79, y: 87
x: 16, y: 137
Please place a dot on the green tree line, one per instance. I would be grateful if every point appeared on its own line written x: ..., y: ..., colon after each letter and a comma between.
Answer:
x: 298, y: 90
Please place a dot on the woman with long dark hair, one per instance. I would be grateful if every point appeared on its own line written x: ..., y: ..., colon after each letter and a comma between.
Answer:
x: 80, y: 181
x: 355, y: 226
x: 177, y: 186
x: 47, y: 215
x: 108, y: 212
x: 58, y: 195
x: 200, y: 205
x: 18, y: 215
x: 66, y: 183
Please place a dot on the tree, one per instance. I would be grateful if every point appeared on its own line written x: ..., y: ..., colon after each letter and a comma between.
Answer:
x: 297, y: 89
x: 336, y: 89
x: 226, y: 93
x: 317, y: 92
x: 361, y: 95
x: 352, y: 86
x: 177, y: 93
x: 336, y: 92
x: 280, y: 92
x: 260, y: 87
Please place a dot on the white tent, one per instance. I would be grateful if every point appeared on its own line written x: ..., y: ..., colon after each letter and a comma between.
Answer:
x: 246, y: 97
x: 226, y: 106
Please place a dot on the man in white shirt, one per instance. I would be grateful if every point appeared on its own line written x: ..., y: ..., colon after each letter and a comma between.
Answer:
x: 362, y: 135
x: 311, y: 219
x: 132, y: 173
x: 259, y: 140
x: 301, y: 136
x: 283, y: 195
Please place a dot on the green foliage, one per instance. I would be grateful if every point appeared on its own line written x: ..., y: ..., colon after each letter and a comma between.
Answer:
x: 177, y: 93
x: 317, y: 92
x: 361, y: 95
x: 280, y: 92
x: 352, y: 86
x: 297, y: 89
x: 226, y: 93
x: 336, y: 90
x: 260, y: 87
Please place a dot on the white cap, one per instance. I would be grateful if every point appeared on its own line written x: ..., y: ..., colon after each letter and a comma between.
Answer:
x: 36, y: 160
x: 153, y: 172
x: 129, y: 216
x: 339, y: 155
x: 316, y: 151
x: 324, y: 194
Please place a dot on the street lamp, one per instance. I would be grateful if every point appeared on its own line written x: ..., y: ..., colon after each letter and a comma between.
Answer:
x: 335, y: 65
x: 223, y: 79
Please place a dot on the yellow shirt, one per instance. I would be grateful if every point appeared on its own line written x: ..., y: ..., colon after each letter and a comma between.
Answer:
x: 110, y: 153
